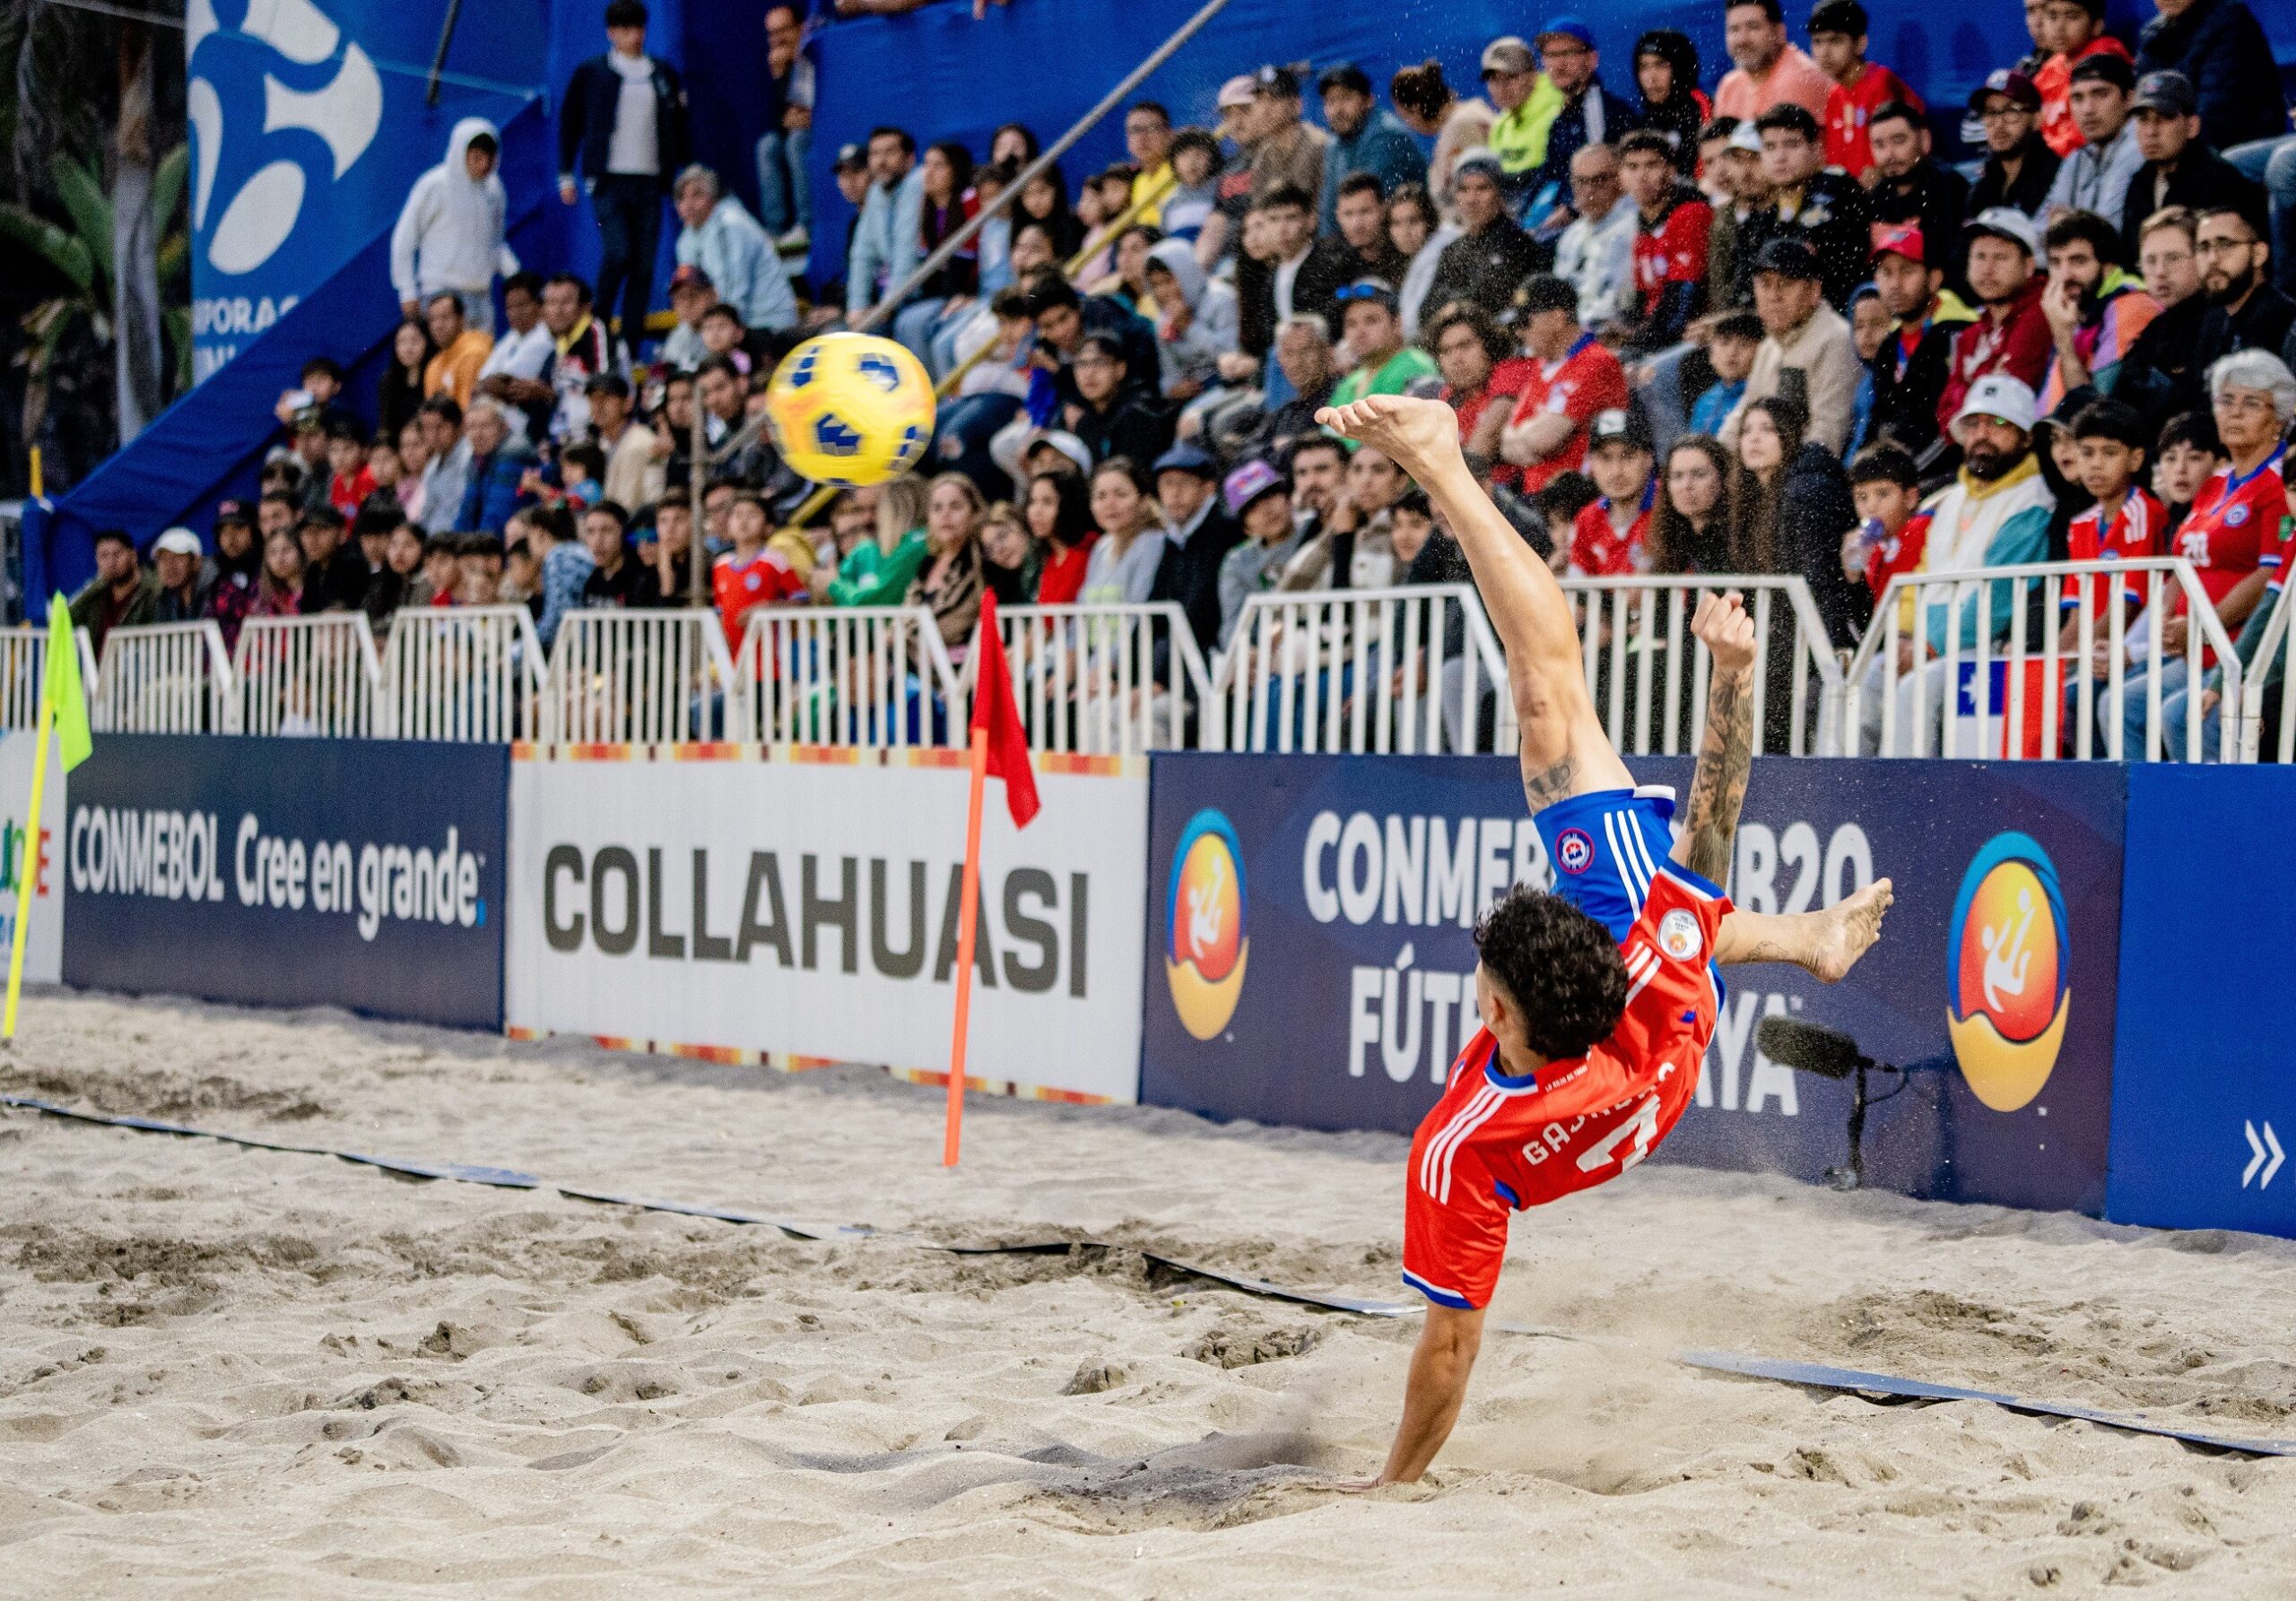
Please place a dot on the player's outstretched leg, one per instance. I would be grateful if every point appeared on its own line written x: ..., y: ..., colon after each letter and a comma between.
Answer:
x: 1825, y: 944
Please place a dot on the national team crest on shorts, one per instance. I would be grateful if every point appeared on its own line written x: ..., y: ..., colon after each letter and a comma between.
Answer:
x: 1679, y: 936
x: 1574, y: 852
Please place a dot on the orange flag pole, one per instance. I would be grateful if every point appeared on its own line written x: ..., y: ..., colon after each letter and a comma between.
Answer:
x: 968, y: 916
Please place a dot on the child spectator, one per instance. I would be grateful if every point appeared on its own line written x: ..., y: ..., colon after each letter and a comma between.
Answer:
x: 1673, y: 108
x: 478, y: 569
x: 1860, y: 87
x: 1731, y: 353
x: 349, y: 479
x: 614, y: 574
x: 2074, y: 30
x: 1195, y: 192
x: 1870, y: 328
x: 1885, y: 485
x: 2128, y: 522
x: 441, y: 568
x: 521, y: 573
x: 580, y: 470
x: 321, y: 387
x: 1606, y: 537
x: 2186, y: 456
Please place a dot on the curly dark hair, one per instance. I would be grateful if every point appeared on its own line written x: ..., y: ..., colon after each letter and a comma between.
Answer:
x: 1560, y: 967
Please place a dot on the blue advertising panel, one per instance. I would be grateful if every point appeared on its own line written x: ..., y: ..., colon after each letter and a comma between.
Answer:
x: 2204, y: 1077
x: 365, y: 873
x: 1310, y: 957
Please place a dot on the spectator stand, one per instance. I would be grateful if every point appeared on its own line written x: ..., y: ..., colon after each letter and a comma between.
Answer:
x: 306, y: 675
x: 636, y: 678
x: 862, y: 677
x: 463, y: 673
x: 1107, y: 680
x: 162, y: 678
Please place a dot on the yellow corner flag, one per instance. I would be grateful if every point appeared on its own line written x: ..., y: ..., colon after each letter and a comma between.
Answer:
x: 64, y: 707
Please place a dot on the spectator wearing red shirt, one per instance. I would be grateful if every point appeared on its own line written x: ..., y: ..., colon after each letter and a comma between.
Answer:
x: 753, y: 574
x: 1060, y: 515
x: 1564, y: 379
x: 2078, y: 30
x: 2125, y: 524
x: 2011, y: 334
x: 1892, y: 530
x: 1860, y: 87
x: 1606, y: 538
x: 349, y: 481
x: 1468, y: 349
x: 1673, y: 220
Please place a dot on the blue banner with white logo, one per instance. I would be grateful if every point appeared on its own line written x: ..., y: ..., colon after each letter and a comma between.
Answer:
x: 2204, y: 1080
x: 1311, y: 960
x: 363, y: 873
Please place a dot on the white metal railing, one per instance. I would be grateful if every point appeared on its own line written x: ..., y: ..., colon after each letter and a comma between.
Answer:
x: 307, y: 676
x: 2272, y: 666
x: 1363, y: 671
x: 465, y: 674
x: 874, y: 677
x: 1649, y: 676
x: 24, y: 659
x: 1989, y: 687
x: 1109, y: 680
x: 642, y: 677
x: 165, y: 678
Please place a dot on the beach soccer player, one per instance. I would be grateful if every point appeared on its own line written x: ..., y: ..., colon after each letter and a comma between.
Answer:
x: 1597, y: 999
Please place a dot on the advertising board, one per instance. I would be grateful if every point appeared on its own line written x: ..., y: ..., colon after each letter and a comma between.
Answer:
x: 22, y: 858
x: 366, y: 874
x: 802, y: 905
x: 1311, y: 956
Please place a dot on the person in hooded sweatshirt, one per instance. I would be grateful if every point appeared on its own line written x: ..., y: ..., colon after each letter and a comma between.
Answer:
x: 1196, y: 321
x: 449, y: 235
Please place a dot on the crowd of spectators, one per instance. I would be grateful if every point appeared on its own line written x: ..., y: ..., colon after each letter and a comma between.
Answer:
x: 1690, y: 322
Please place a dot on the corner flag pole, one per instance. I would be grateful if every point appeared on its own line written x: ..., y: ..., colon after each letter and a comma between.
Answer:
x: 967, y: 916
x: 28, y: 869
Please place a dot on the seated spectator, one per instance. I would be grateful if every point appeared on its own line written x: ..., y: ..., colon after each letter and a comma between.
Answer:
x: 238, y: 562
x: 371, y: 536
x: 397, y: 586
x: 1825, y: 211
x: 1909, y: 371
x: 1349, y: 548
x: 2126, y: 522
x: 1126, y: 282
x: 725, y: 408
x: 1731, y: 348
x: 723, y: 333
x: 614, y: 576
x: 2095, y: 178
x: 691, y: 297
x: 413, y: 462
x: 402, y: 394
x: 1767, y: 71
x: 785, y: 150
x: 1795, y: 497
x: 634, y: 475
x: 498, y: 466
x: 1527, y: 103
x: 2246, y: 312
x: 319, y: 387
x: 1428, y: 107
x: 1607, y: 537
x: 1304, y: 356
x: 2178, y: 170
x: 178, y: 571
x: 1060, y: 518
x: 1672, y: 106
x: 1195, y: 197
x: 1860, y: 89
x: 1362, y: 227
x: 1911, y: 187
x: 2010, y: 333
x: 883, y: 247
x: 384, y: 467
x: 462, y: 351
x: 1198, y: 538
x: 1731, y: 161
x: 1373, y: 330
x: 446, y: 476
x: 721, y: 238
x: 2158, y: 376
x: 2218, y: 48
x: 478, y: 569
x: 668, y: 583
x: 1009, y: 556
x: 310, y: 455
x: 521, y: 575
x: 516, y: 371
x: 1493, y: 255
x: 1885, y: 482
x: 752, y: 578
x: 1318, y: 473
x: 1590, y: 115
x: 1691, y: 529
x: 1290, y: 270
x: 2076, y: 34
x: 1196, y: 320
x: 1994, y: 514
x: 449, y: 235
x: 950, y: 581
x: 1110, y: 414
x: 579, y: 351
x: 442, y: 567
x: 278, y: 591
x: 2185, y: 457
x: 335, y: 573
x: 1805, y: 352
x: 566, y: 565
x: 1365, y: 141
x: 1418, y: 242
x: 1121, y: 569
x: 1468, y: 346
x: 1595, y: 253
x: 1286, y: 152
x: 1259, y: 499
x: 2020, y: 165
x: 276, y: 512
x: 348, y: 481
x: 1870, y: 324
x: 1564, y: 379
x: 2096, y: 311
x: 879, y: 570
x: 1672, y: 220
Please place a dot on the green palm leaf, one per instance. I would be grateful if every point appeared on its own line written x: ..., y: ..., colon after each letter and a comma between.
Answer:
x: 67, y: 253
x: 88, y: 207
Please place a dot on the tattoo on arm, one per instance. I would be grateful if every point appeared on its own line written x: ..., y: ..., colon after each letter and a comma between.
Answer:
x: 1545, y: 788
x: 1718, y: 789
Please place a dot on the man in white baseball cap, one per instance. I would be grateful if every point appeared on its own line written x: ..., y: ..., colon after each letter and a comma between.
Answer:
x: 1994, y: 514
x: 176, y: 557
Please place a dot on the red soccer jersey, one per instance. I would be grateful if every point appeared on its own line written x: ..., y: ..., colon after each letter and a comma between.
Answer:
x: 1850, y: 109
x: 1597, y: 549
x: 1495, y: 1144
x: 1897, y: 553
x: 737, y: 586
x: 2236, y: 526
x: 1588, y: 381
x: 2018, y: 344
x: 2136, y: 530
x: 1673, y: 251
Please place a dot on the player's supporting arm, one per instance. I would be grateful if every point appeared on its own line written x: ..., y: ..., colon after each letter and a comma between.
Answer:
x: 1437, y: 1387
x: 1718, y: 789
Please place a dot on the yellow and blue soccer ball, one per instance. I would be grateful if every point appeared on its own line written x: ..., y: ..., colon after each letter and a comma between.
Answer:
x: 850, y: 409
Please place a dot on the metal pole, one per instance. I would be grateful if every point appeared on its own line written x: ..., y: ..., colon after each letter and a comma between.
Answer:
x: 439, y: 60
x: 949, y: 247
x: 697, y: 485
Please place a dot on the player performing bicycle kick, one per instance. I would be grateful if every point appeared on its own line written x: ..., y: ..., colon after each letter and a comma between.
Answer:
x: 1599, y: 999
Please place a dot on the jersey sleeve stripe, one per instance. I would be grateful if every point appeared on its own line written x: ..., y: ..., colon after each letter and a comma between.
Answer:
x: 1489, y: 1101
x: 1436, y: 1293
x: 1704, y: 888
x: 1641, y: 966
x: 1435, y: 1168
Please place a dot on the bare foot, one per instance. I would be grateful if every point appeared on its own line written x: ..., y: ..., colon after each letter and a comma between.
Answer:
x: 1847, y: 929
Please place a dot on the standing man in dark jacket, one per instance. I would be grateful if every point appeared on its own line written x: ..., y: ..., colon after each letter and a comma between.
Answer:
x: 2220, y: 47
x: 623, y: 134
x: 1200, y: 536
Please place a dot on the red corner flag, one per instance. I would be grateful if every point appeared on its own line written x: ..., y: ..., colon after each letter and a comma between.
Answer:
x: 995, y: 715
x: 1000, y: 746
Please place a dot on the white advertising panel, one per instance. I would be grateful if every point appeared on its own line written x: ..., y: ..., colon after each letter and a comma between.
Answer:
x: 804, y: 906
x: 42, y: 863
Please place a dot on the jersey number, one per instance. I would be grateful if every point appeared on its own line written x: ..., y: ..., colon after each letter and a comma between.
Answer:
x: 1643, y: 1127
